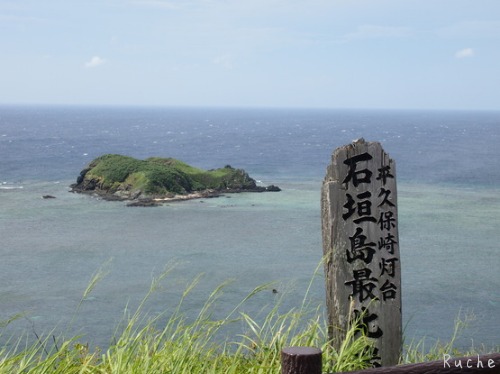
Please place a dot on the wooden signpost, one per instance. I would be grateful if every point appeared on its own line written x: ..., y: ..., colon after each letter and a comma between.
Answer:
x: 361, y: 247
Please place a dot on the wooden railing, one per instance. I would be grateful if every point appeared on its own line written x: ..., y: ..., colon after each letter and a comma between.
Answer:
x: 307, y: 360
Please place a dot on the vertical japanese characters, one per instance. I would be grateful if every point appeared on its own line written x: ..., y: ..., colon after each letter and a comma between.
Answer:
x: 360, y: 236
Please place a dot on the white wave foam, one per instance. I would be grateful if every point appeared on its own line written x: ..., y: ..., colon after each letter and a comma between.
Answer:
x: 11, y: 187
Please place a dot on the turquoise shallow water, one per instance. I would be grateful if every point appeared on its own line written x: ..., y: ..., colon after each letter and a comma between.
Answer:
x: 449, y: 256
x: 448, y: 260
x: 449, y: 204
x: 251, y: 238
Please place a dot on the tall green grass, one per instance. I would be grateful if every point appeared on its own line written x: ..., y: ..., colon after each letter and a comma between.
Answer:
x: 420, y: 351
x: 174, y: 343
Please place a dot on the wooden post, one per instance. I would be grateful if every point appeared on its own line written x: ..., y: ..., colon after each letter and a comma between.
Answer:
x: 361, y: 247
x: 301, y: 360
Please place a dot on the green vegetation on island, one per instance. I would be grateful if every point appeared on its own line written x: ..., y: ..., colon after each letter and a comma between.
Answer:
x: 126, y: 178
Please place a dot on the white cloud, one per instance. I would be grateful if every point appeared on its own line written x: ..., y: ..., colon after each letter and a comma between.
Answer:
x: 94, y: 62
x: 226, y: 61
x: 465, y: 53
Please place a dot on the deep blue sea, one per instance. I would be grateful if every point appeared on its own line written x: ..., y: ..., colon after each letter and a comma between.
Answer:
x: 448, y: 175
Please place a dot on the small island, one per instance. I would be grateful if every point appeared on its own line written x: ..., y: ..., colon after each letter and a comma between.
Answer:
x: 156, y: 180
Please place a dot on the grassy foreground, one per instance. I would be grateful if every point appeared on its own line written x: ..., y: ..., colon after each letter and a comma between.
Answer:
x: 182, y: 346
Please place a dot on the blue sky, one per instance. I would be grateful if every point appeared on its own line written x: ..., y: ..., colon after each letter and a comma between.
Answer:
x: 401, y: 54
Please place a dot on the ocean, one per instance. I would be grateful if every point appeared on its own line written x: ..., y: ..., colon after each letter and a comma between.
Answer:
x: 448, y: 195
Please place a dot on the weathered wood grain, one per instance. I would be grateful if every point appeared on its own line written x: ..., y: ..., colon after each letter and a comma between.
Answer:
x: 361, y: 247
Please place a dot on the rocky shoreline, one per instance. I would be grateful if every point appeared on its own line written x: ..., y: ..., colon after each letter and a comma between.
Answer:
x: 207, y: 194
x: 154, y: 201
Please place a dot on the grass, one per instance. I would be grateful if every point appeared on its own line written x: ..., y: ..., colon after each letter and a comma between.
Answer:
x: 420, y: 352
x: 145, y: 344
